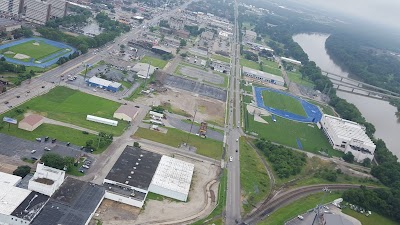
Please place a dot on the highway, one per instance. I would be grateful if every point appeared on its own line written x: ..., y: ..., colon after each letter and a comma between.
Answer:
x: 233, y: 193
x: 41, y: 84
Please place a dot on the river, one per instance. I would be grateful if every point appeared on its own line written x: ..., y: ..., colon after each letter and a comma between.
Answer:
x: 380, y: 113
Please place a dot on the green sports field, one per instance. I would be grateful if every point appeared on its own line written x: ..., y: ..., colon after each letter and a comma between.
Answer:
x: 72, y: 106
x: 154, y: 61
x: 33, y: 49
x: 285, y: 132
x: 283, y: 102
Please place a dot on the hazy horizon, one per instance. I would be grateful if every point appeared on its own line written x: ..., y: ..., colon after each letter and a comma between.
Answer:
x: 384, y: 12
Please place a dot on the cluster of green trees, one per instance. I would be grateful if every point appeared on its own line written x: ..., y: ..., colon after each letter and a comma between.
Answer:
x: 22, y: 32
x: 285, y: 161
x: 22, y: 171
x: 194, y: 30
x: 129, y: 9
x: 327, y: 174
x: 164, y: 23
x: 383, y: 201
x: 77, y: 20
x: 57, y: 161
x: 370, y: 64
x: 112, y: 29
x: 64, y: 59
x: 250, y: 55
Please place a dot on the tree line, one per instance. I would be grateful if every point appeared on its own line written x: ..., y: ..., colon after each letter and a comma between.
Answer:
x: 112, y: 29
x: 285, y: 161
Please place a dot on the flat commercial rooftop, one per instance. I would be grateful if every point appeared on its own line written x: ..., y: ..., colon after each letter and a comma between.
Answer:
x: 9, y: 179
x: 11, y: 197
x: 73, y: 203
x: 173, y: 174
x: 31, y: 206
x: 135, y: 167
x: 347, y: 129
x: 263, y: 74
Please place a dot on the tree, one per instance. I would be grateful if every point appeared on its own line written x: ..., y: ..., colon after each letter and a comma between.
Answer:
x: 136, y: 144
x: 122, y: 47
x: 348, y: 157
x: 366, y: 162
x: 53, y: 160
x: 158, y: 109
x: 182, y: 43
x: 22, y: 171
x: 184, y: 55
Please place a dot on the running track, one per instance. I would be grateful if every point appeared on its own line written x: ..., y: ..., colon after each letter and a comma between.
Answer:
x: 314, y: 115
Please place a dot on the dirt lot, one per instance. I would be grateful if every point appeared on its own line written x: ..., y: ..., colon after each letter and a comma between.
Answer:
x: 166, y: 210
x: 111, y: 212
x: 207, y: 109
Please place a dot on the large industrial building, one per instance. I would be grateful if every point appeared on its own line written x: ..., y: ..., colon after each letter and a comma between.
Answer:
x: 138, y: 172
x: 263, y: 76
x: 36, y: 11
x: 11, y: 7
x: 172, y: 178
x: 104, y: 84
x: 348, y: 136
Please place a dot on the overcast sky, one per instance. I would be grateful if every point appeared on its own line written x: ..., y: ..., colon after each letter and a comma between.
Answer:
x: 381, y: 11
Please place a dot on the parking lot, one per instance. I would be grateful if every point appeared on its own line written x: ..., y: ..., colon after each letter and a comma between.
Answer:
x: 201, y: 75
x: 193, y: 86
x: 20, y: 148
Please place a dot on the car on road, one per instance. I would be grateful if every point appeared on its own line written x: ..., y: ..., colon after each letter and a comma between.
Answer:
x: 6, y: 102
x: 18, y: 96
x: 47, y: 149
x: 33, y: 151
x: 237, y: 140
x: 43, y: 86
x: 137, y: 106
x: 230, y: 158
x: 237, y: 150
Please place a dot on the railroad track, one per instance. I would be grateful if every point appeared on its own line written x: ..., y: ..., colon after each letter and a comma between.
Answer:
x: 289, y: 196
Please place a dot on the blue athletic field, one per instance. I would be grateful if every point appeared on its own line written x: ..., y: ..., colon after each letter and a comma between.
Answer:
x: 314, y: 115
x: 44, y: 62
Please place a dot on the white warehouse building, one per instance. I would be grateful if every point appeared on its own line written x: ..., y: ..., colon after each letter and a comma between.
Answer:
x: 172, y: 178
x: 263, y: 76
x: 348, y: 136
x: 46, y: 180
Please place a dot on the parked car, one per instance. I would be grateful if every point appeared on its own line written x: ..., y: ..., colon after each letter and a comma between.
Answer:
x: 85, y: 166
x: 33, y: 151
x: 230, y: 158
x: 47, y: 149
x: 38, y: 139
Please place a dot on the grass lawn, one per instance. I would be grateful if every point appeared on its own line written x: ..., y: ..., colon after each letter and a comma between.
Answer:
x: 126, y: 84
x: 271, y: 70
x: 247, y: 99
x: 175, y: 137
x: 269, y: 63
x: 296, y: 78
x: 154, y: 61
x: 285, y: 132
x: 63, y: 134
x: 283, y: 102
x: 248, y: 88
x: 217, y: 213
x: 298, y: 207
x: 324, y: 108
x: 72, y: 106
x: 372, y: 219
x: 34, y: 51
x: 254, y: 179
x: 249, y: 63
x: 221, y: 58
x: 247, y: 25
x: 157, y: 197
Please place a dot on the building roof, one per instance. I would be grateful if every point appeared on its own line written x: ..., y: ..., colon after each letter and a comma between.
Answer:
x: 127, y: 110
x: 32, y: 119
x: 162, y: 48
x: 11, y: 197
x: 9, y: 179
x: 173, y: 174
x: 6, y: 22
x: 263, y: 74
x: 347, y: 129
x: 290, y: 60
x: 142, y: 68
x: 333, y: 219
x: 31, y: 206
x: 142, y: 163
x: 73, y: 203
x: 103, y: 82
